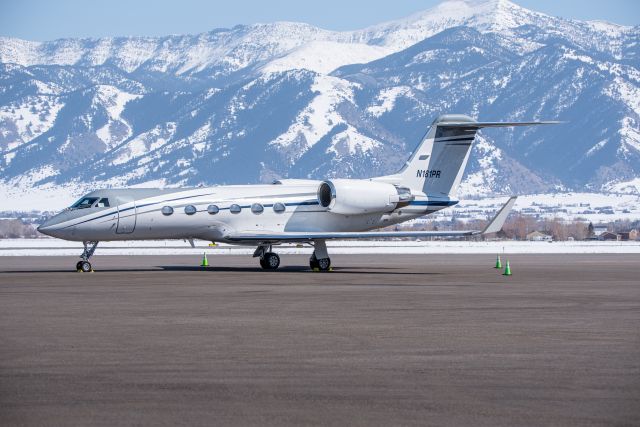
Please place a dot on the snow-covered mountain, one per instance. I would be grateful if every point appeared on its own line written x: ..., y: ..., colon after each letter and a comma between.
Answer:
x: 258, y: 102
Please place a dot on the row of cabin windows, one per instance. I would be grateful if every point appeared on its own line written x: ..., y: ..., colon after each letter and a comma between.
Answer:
x: 256, y: 208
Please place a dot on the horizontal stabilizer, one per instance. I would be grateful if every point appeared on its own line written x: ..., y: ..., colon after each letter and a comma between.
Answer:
x: 480, y: 125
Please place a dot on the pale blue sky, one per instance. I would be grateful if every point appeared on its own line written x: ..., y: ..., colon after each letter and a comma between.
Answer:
x: 49, y: 19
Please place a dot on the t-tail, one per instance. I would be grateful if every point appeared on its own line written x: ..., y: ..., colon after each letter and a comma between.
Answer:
x: 437, y: 165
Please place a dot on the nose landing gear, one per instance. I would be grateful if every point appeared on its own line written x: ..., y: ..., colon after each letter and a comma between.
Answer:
x: 84, y: 266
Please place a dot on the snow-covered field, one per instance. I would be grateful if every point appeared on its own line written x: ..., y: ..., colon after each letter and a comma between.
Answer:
x: 53, y: 247
x: 594, y: 207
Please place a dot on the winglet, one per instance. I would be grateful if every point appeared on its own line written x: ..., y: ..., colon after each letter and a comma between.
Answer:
x: 497, y: 222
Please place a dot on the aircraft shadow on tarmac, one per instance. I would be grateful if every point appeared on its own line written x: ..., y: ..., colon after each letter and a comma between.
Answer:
x: 289, y: 269
x: 293, y: 269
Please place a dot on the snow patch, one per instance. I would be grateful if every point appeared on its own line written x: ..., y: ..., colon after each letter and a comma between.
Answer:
x: 146, y: 142
x: 326, y: 56
x: 113, y: 100
x: 572, y: 55
x: 483, y: 181
x: 629, y: 187
x: 353, y: 141
x: 320, y: 116
x: 31, y: 118
x: 387, y: 99
x: 625, y: 91
x: 597, y: 147
x: 630, y: 133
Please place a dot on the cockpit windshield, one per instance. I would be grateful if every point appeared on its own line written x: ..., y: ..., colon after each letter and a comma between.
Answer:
x: 103, y: 203
x: 85, y: 202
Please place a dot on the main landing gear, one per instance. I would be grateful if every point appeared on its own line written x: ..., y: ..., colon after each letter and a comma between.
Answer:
x: 320, y: 260
x: 268, y: 260
x: 84, y: 265
x: 323, y: 264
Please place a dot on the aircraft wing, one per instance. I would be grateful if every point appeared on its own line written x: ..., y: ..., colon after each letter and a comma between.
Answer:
x: 494, y: 226
x: 308, y: 236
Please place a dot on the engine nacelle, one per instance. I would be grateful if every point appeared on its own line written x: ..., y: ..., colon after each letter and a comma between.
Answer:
x: 356, y: 196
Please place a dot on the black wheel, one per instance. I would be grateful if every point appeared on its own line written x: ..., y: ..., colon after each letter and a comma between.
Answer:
x: 78, y: 265
x: 271, y: 261
x: 313, y: 262
x: 85, y: 266
x: 324, y: 264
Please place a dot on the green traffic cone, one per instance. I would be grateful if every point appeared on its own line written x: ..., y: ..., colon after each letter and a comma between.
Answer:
x: 205, y: 262
x: 498, y: 262
x: 507, y: 270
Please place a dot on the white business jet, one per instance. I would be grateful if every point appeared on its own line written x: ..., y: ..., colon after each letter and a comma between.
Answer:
x: 289, y: 210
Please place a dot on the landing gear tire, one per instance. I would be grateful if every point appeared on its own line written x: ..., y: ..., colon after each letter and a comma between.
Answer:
x: 89, y: 248
x: 313, y: 262
x: 270, y: 261
x: 323, y: 264
x: 85, y: 266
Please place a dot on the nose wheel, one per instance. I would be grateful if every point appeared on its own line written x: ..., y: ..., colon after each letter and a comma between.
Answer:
x: 270, y: 261
x: 84, y: 265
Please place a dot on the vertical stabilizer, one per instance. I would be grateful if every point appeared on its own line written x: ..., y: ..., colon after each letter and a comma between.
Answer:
x: 436, y: 167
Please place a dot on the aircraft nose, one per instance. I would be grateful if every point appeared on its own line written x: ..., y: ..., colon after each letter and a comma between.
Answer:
x: 47, y: 227
x: 52, y: 226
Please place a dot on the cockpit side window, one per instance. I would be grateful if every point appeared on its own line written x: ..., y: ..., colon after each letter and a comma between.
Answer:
x: 103, y: 203
x: 85, y: 202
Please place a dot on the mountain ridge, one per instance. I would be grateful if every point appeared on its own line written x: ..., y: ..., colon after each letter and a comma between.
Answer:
x: 316, y: 103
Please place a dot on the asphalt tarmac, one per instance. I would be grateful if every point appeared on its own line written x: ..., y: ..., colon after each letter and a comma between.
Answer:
x: 381, y: 340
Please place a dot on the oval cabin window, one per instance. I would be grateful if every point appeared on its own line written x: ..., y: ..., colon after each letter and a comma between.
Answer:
x: 279, y: 207
x: 257, y: 208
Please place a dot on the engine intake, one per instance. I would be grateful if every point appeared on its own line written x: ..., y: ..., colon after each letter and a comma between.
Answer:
x: 356, y: 196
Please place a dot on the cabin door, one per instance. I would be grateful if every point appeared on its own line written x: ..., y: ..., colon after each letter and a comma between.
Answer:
x: 126, y: 217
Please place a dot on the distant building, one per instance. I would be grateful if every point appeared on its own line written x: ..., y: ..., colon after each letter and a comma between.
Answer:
x: 607, y: 235
x: 629, y: 235
x: 599, y: 229
x: 537, y: 236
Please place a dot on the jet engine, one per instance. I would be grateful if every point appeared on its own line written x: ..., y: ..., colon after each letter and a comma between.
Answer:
x: 356, y: 196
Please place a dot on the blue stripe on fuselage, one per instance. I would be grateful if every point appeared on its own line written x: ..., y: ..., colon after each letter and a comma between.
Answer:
x: 433, y: 202
x: 443, y: 203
